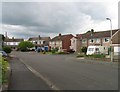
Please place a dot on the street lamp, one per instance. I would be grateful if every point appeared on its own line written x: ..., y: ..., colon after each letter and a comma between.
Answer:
x: 110, y: 38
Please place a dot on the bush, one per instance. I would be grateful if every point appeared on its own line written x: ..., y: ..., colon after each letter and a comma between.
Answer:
x: 7, y: 49
x: 53, y: 51
x: 23, y: 46
x: 84, y: 50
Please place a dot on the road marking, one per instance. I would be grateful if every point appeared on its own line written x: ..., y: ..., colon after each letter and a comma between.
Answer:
x: 48, y: 82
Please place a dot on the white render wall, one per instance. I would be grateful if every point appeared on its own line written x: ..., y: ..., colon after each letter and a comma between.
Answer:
x: 73, y: 44
x: 12, y: 43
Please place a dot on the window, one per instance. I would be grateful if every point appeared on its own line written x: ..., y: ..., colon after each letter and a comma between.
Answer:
x: 90, y: 49
x: 84, y: 41
x: 97, y: 49
x: 91, y: 40
x: 97, y: 40
x: 106, y: 39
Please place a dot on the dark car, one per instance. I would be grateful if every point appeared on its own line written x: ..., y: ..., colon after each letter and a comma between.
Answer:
x: 70, y: 51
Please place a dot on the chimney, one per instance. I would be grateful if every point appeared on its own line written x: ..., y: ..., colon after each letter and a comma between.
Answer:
x: 59, y: 34
x: 39, y: 37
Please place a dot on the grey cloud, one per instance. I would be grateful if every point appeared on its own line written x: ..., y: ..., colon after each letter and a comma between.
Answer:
x: 50, y: 17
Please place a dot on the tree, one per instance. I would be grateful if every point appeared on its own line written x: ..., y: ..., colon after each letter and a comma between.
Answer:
x: 25, y: 45
x: 84, y: 50
x: 7, y: 49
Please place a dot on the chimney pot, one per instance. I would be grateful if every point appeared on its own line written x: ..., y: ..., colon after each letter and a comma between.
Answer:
x: 59, y: 34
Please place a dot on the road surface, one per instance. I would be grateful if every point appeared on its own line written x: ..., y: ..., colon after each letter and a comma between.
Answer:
x: 65, y: 72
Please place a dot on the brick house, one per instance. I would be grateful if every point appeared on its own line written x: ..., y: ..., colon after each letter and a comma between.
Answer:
x: 62, y: 42
x: 101, y: 38
x: 12, y: 42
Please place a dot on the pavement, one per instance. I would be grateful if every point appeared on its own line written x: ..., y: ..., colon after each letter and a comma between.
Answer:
x: 23, y: 79
x: 63, y: 71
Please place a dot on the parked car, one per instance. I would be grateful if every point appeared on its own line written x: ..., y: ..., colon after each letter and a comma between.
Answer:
x: 70, y: 51
x: 3, y: 53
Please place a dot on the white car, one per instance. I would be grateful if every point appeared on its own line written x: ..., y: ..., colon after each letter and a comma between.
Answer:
x: 3, y: 54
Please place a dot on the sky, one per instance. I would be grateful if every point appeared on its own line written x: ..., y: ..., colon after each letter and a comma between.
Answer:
x: 30, y: 19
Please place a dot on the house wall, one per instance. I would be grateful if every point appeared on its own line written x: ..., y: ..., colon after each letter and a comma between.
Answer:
x: 105, y: 43
x: 66, y: 43
x: 54, y: 44
x: 96, y: 42
x: 74, y: 44
x: 11, y: 43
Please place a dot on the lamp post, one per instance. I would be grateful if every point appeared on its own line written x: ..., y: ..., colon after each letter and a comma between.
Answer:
x: 111, y: 54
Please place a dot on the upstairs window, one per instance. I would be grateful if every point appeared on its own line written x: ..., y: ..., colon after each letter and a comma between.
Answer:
x: 91, y: 40
x: 106, y: 39
x: 97, y: 40
x: 84, y: 41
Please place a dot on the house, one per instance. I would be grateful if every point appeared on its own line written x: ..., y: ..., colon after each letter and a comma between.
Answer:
x: 12, y: 42
x: 61, y: 42
x: 40, y: 41
x: 116, y: 43
x: 100, y: 38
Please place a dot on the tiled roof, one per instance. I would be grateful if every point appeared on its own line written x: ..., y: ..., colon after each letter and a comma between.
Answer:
x: 61, y: 37
x: 39, y: 38
x: 14, y: 40
x: 99, y: 34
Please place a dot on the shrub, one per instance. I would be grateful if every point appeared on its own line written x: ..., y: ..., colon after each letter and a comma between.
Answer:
x: 84, y: 50
x: 7, y: 49
x: 53, y: 51
x: 23, y: 46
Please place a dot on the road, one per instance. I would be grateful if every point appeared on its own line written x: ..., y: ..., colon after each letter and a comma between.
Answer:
x: 65, y: 72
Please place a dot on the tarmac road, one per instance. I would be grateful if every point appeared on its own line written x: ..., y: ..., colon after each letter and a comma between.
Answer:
x: 62, y: 72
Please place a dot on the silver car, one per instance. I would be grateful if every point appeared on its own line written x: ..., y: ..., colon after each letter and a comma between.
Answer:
x: 3, y: 54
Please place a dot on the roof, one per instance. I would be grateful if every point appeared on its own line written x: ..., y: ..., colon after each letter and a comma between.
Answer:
x: 115, y: 38
x: 61, y: 37
x: 39, y: 38
x: 98, y: 34
x: 14, y: 40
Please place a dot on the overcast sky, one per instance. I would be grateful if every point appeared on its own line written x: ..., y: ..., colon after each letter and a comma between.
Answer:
x: 28, y: 19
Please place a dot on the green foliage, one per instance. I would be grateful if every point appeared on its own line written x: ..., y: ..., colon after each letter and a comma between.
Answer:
x: 7, y: 49
x: 54, y: 50
x: 96, y: 56
x: 92, y: 56
x: 23, y: 46
x: 84, y: 50
x: 62, y: 53
x: 3, y: 70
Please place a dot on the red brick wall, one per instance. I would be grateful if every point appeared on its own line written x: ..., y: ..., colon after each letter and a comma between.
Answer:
x: 66, y: 42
